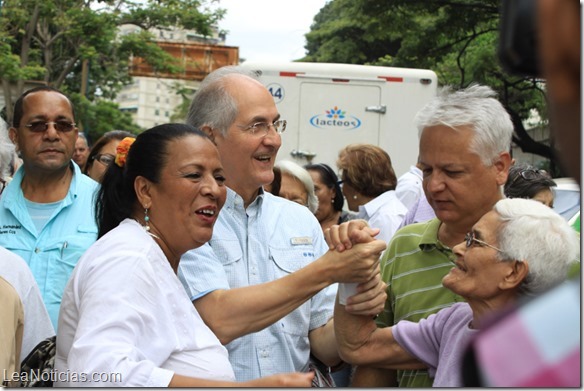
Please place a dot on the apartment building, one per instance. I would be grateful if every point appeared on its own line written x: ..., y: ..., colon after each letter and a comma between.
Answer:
x: 152, y: 98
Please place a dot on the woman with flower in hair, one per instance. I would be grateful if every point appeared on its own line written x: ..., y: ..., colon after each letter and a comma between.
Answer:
x: 103, y: 153
x: 125, y: 318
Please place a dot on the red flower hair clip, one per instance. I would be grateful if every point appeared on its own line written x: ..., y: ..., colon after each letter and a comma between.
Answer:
x: 122, y: 151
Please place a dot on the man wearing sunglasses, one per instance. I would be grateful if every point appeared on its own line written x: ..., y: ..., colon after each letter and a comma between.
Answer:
x: 47, y: 209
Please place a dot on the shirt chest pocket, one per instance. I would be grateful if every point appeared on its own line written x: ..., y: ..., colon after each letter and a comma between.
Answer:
x: 63, y: 255
x: 290, y: 259
x: 287, y: 261
x: 229, y: 254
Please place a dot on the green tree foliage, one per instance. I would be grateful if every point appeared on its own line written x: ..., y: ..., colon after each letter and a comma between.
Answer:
x: 100, y: 116
x: 457, y: 39
x: 49, y: 41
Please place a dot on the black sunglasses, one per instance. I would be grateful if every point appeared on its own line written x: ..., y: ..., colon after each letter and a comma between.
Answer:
x: 60, y: 126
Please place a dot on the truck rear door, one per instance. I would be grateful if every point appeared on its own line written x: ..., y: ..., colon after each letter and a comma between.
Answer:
x: 333, y: 113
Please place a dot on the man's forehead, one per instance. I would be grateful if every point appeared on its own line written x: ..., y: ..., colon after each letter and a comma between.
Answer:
x: 31, y: 101
x: 81, y: 140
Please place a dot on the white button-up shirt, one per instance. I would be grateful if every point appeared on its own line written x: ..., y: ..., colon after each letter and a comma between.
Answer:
x: 125, y: 317
x: 270, y: 239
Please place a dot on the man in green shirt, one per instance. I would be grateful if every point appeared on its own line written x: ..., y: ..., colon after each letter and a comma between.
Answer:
x: 465, y: 138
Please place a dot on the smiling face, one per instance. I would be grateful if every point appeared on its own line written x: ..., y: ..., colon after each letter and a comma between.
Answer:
x: 49, y: 151
x: 186, y: 202
x: 479, y: 273
x: 249, y: 159
x: 459, y: 187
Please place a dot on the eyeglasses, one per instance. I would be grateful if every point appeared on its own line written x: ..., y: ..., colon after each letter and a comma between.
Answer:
x: 105, y: 158
x: 261, y: 129
x: 60, y: 126
x: 530, y: 175
x: 470, y: 238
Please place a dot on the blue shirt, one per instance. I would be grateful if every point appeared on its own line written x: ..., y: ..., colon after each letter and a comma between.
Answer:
x: 51, y: 253
x: 270, y: 239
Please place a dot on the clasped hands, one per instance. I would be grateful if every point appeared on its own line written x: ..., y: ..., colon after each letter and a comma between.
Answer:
x: 357, y: 255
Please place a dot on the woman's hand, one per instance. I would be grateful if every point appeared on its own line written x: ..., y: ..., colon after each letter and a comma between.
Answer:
x: 370, y: 298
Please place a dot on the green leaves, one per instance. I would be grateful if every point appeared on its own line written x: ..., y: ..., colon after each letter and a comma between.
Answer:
x: 49, y: 40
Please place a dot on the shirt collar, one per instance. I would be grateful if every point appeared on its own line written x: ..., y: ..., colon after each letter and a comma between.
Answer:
x: 429, y: 240
x: 370, y: 208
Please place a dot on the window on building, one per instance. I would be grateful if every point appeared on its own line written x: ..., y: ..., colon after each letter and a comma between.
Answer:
x: 131, y: 109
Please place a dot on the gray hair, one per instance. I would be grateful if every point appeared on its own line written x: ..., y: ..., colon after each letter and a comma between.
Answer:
x: 212, y: 104
x: 476, y: 107
x: 300, y: 173
x: 535, y: 233
x: 6, y: 151
x: 82, y: 135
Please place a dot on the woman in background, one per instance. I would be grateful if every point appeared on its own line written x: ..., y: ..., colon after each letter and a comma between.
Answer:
x: 369, y: 186
x: 103, y: 153
x: 526, y: 181
x: 296, y: 185
x: 330, y: 196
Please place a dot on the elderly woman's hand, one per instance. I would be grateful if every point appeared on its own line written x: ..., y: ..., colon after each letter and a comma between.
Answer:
x: 370, y: 298
x: 342, y: 237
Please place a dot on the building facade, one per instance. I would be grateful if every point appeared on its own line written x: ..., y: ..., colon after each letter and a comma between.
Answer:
x: 152, y: 98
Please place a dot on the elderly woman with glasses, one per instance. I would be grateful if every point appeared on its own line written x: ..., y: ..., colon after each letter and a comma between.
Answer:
x: 526, y: 181
x: 103, y: 153
x: 296, y: 184
x: 519, y: 248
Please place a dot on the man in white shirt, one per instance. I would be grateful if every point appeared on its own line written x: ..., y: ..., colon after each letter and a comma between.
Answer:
x: 409, y: 187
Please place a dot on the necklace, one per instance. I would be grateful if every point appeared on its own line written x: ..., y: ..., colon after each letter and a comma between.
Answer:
x: 153, y: 235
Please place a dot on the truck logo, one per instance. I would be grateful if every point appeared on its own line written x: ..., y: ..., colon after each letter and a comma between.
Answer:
x: 335, y: 118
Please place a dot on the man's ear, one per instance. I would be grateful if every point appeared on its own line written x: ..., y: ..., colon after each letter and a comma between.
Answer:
x: 13, y: 134
x: 502, y: 165
x: 143, y: 188
x: 209, y: 132
x: 516, y: 274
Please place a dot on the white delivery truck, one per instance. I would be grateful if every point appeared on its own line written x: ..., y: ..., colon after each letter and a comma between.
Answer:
x: 328, y: 106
